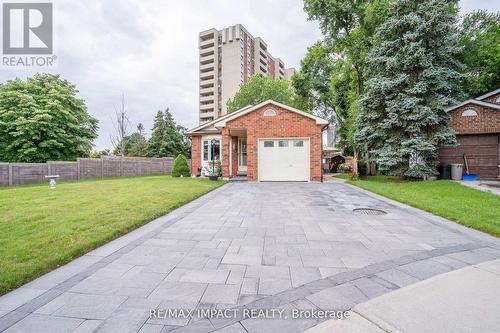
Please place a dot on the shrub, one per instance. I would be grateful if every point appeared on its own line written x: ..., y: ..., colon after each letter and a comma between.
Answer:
x: 181, y: 167
x: 215, y: 168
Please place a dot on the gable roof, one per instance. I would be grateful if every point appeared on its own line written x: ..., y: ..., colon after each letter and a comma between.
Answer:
x: 209, y: 126
x: 218, y: 123
x: 478, y: 101
x: 475, y: 101
x: 491, y: 93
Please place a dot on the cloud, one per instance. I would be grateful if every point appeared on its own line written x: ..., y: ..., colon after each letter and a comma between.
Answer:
x: 467, y: 6
x: 148, y: 50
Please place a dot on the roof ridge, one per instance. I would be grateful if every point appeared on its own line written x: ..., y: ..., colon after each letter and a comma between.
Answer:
x: 253, y: 108
x: 199, y: 127
x: 474, y: 101
x: 491, y: 93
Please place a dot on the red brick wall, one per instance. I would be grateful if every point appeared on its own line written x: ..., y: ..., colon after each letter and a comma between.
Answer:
x: 487, y: 120
x: 195, y: 154
x: 234, y: 155
x: 284, y: 124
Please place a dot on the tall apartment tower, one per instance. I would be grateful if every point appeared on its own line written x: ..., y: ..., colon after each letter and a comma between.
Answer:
x: 228, y: 58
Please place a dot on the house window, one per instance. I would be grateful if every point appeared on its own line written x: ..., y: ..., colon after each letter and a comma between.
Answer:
x: 215, y: 150
x: 283, y: 143
x: 469, y: 113
x: 268, y: 144
x: 298, y: 143
x: 205, y: 150
x: 497, y: 100
x: 269, y: 113
x: 211, y: 150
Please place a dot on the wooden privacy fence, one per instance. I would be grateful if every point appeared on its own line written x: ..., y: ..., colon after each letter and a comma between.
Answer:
x: 83, y: 168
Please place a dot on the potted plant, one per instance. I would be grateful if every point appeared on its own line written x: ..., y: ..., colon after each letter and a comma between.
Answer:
x: 215, y: 170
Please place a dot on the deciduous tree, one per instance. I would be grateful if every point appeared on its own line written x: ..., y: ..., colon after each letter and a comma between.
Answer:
x: 480, y: 39
x: 42, y: 119
x: 121, y: 123
x: 331, y: 76
x: 261, y: 88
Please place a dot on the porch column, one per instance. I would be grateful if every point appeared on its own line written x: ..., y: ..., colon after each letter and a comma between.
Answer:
x: 235, y: 155
x: 226, y: 145
x: 195, y: 154
x: 231, y: 156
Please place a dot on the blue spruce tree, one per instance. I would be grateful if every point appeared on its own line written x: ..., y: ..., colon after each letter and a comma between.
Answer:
x: 412, y: 76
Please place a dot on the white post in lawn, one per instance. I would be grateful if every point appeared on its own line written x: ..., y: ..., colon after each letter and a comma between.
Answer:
x: 52, y: 181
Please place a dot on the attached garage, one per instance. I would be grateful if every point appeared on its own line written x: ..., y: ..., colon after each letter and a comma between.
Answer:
x: 284, y: 159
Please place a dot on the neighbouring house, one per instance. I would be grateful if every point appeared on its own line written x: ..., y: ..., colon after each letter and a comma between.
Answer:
x: 332, y: 155
x: 477, y: 124
x: 266, y: 142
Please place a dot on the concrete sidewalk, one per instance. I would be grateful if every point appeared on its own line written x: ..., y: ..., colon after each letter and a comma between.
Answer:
x: 465, y: 300
x: 492, y: 186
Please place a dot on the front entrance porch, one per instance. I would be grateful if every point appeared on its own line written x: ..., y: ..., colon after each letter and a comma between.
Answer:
x: 238, y: 154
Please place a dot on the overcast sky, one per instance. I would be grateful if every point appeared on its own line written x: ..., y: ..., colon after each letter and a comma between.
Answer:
x: 148, y: 49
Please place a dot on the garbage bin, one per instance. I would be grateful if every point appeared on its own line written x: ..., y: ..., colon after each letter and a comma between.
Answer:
x: 456, y: 171
x: 444, y: 171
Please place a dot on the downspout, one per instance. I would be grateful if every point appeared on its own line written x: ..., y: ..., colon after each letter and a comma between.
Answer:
x: 321, y: 158
x: 230, y: 156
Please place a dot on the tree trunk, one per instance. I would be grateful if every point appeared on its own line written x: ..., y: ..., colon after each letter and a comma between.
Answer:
x: 355, y: 162
x: 358, y: 79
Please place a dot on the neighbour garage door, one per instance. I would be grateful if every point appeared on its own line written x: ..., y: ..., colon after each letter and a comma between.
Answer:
x: 482, y: 151
x: 284, y: 160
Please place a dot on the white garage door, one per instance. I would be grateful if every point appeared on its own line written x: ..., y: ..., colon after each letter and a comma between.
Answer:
x: 284, y: 160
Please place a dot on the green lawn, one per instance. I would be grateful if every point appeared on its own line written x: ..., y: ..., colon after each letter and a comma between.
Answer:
x: 41, y: 229
x: 467, y: 206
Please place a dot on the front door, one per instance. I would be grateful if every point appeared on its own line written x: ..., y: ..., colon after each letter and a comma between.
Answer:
x: 242, y: 155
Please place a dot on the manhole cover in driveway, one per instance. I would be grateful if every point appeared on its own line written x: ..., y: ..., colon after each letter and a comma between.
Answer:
x: 368, y: 211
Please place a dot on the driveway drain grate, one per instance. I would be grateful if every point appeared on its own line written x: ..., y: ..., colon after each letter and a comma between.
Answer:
x: 368, y: 211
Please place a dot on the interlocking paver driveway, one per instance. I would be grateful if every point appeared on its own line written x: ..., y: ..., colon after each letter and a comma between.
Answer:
x: 266, y: 245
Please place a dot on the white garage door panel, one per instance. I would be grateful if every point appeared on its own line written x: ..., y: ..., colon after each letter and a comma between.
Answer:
x: 290, y: 163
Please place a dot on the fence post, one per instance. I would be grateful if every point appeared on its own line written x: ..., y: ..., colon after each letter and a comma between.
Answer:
x: 77, y: 169
x: 48, y: 169
x: 102, y: 167
x: 121, y: 165
x: 10, y: 174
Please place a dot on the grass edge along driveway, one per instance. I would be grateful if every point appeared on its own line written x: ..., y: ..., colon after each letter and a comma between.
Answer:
x: 42, y: 229
x: 469, y: 207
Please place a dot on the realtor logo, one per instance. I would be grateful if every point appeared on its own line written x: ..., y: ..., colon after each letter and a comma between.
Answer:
x: 27, y: 29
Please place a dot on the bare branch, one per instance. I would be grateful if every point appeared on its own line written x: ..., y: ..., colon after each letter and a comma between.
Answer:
x: 121, y: 124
